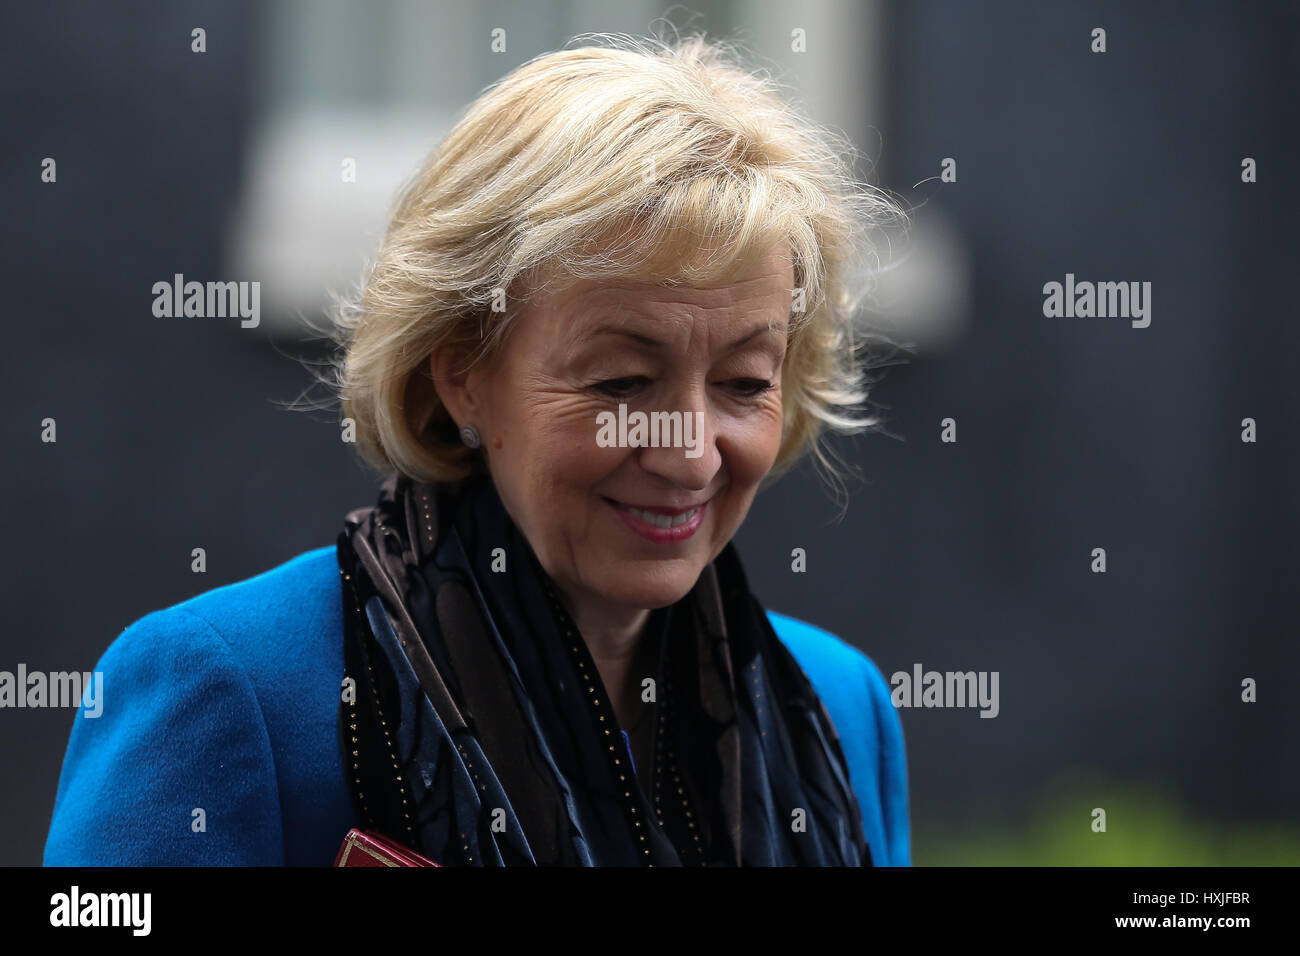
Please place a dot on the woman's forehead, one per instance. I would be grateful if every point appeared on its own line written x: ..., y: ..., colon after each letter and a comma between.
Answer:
x: 583, y: 306
x: 754, y: 277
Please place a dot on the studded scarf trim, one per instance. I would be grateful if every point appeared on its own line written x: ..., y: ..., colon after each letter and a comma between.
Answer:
x: 475, y: 729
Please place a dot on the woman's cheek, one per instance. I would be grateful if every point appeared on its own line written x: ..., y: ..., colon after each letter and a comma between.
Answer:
x: 757, y: 439
x: 566, y: 429
x: 563, y: 410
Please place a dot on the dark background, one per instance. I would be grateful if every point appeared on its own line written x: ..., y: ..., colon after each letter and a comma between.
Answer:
x: 1119, y: 690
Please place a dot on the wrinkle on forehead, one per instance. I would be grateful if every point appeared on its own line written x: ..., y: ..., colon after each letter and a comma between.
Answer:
x: 550, y: 281
x: 583, y: 303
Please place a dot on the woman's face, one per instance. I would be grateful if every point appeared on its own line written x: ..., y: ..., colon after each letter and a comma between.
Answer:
x: 547, y: 407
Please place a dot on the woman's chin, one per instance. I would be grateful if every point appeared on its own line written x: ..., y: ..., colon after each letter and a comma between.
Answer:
x: 648, y: 591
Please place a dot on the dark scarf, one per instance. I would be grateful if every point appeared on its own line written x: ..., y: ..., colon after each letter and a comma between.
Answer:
x: 478, y: 731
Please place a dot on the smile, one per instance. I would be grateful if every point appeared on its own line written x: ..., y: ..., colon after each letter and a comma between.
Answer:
x: 661, y: 525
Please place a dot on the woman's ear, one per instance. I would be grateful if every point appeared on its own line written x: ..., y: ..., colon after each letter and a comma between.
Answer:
x: 452, y: 380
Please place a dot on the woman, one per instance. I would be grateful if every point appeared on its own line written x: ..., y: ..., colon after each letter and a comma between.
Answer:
x: 612, y: 305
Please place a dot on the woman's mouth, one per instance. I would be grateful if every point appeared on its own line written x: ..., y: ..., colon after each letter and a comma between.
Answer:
x: 661, y: 525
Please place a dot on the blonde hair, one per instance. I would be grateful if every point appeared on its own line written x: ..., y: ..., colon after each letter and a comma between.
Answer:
x: 694, y: 161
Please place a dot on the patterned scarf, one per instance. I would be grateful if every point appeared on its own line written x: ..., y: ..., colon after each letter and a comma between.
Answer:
x: 476, y: 730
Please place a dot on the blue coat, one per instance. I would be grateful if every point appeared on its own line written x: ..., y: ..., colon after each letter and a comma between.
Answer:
x: 228, y: 703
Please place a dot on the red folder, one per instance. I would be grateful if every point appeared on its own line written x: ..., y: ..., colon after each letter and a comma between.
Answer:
x: 367, y: 848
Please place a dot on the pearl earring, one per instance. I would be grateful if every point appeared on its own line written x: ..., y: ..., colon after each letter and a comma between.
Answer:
x: 469, y: 435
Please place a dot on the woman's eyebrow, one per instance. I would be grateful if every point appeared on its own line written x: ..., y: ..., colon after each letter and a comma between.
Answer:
x: 753, y: 334
x: 652, y: 342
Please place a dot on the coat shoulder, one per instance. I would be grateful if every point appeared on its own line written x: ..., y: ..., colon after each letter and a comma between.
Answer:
x: 301, y: 593
x: 224, y: 703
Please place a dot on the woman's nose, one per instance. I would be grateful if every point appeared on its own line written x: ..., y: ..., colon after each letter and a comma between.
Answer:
x: 687, y: 455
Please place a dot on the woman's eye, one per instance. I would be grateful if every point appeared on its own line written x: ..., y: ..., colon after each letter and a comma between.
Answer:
x: 620, y: 387
x: 625, y: 387
x: 751, y: 387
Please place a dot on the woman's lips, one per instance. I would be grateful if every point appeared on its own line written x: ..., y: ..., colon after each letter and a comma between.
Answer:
x: 661, y: 525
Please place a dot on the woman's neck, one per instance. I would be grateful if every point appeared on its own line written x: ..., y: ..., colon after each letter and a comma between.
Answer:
x: 614, y: 639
